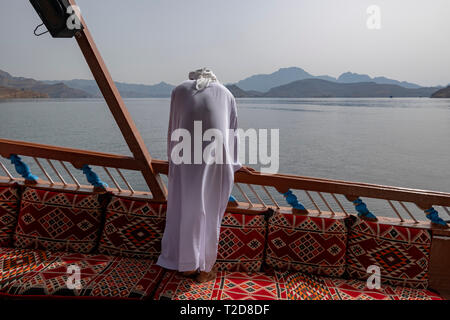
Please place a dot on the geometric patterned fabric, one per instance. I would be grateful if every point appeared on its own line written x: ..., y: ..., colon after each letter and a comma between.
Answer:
x: 9, y: 202
x: 309, y: 244
x: 241, y: 242
x: 226, y: 286
x: 306, y: 255
x: 280, y: 285
x: 401, y: 253
x: 25, y: 272
x: 44, y: 273
x: 301, y: 286
x: 16, y: 263
x: 133, y: 228
x: 58, y: 221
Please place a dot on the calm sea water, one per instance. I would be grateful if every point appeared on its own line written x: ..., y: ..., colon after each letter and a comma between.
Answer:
x: 401, y: 142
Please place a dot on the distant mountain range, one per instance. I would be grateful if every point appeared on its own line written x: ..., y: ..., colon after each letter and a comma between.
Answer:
x: 12, y: 93
x: 286, y: 82
x: 317, y: 88
x: 239, y: 93
x: 265, y: 82
x: 127, y: 90
x: 41, y: 89
x: 442, y: 93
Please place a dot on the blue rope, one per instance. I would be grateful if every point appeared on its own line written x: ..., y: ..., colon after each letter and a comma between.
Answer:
x: 22, y: 168
x: 433, y: 216
x: 361, y: 207
x: 93, y: 178
x: 293, y: 201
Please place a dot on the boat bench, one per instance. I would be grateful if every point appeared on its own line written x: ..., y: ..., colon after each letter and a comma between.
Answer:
x: 113, y: 241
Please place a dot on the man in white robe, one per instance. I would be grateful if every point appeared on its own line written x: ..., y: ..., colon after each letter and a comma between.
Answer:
x: 198, y: 190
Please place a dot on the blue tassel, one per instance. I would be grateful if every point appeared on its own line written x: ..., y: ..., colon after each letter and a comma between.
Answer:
x: 293, y: 201
x: 22, y: 168
x: 93, y: 178
x: 433, y: 216
x: 361, y: 207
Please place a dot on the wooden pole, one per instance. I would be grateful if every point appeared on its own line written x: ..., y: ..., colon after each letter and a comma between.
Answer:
x: 119, y: 110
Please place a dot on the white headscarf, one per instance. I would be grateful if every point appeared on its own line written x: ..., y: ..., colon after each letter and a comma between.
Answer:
x: 203, y: 78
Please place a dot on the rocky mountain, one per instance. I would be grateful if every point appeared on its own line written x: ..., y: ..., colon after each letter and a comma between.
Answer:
x: 239, y: 93
x: 317, y: 88
x: 12, y: 93
x: 265, y: 82
x: 56, y: 90
x: 349, y: 77
x: 442, y: 93
x: 127, y: 90
x: 263, y: 85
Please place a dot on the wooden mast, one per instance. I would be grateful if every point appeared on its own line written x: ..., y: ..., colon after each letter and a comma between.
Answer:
x: 119, y: 110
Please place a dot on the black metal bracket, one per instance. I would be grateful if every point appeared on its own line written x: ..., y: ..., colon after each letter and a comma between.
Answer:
x: 55, y: 15
x: 39, y: 34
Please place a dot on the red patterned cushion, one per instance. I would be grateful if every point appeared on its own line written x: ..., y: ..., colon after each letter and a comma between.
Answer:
x: 133, y: 228
x: 241, y: 242
x: 9, y: 201
x: 58, y: 221
x: 402, y: 253
x: 306, y: 243
x: 15, y: 263
x: 226, y: 286
x: 101, y: 276
x: 404, y: 293
x: 301, y: 286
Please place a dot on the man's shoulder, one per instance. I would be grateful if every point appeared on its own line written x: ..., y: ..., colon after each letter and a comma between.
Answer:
x: 222, y: 88
x: 189, y: 85
x: 185, y: 85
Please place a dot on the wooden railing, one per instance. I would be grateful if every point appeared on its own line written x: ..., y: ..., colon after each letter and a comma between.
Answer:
x: 42, y: 154
x: 323, y: 196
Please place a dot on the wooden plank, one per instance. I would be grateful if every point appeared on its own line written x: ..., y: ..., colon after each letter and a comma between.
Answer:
x: 439, y: 272
x: 76, y: 157
x: 119, y: 110
x: 59, y: 187
x: 79, y: 157
x: 283, y: 182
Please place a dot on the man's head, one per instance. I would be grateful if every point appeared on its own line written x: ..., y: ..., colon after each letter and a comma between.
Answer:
x: 203, y: 78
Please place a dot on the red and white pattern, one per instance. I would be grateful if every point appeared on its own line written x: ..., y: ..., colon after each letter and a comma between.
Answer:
x: 241, y: 242
x: 341, y: 289
x: 16, y: 263
x: 301, y: 286
x: 50, y: 223
x: 9, y: 201
x: 100, y: 275
x: 304, y: 243
x: 226, y: 286
x: 58, y: 221
x: 402, y: 253
x: 133, y: 228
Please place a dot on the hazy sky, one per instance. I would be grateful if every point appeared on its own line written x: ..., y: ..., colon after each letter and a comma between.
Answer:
x: 148, y: 41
